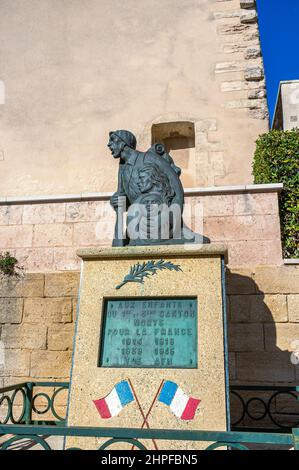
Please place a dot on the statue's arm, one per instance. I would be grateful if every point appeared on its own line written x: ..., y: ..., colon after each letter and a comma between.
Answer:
x: 119, y: 198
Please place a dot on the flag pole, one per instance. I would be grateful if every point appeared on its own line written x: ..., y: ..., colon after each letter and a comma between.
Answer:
x: 142, y: 413
x: 151, y: 407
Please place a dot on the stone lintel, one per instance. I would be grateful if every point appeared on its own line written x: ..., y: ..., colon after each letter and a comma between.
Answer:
x: 156, y: 251
x: 105, y: 196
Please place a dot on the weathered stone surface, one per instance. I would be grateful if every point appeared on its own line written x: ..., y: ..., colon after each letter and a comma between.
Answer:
x: 233, y: 66
x: 11, y: 215
x: 254, y: 86
x: 36, y: 259
x: 24, y: 336
x: 15, y: 380
x: 256, y: 94
x: 248, y: 17
x: 255, y: 252
x: 61, y: 338
x: 233, y: 48
x: 13, y: 236
x: 258, y: 308
x: 255, y: 204
x: 233, y: 29
x: 252, y: 34
x: 50, y: 363
x: 89, y: 211
x: 53, y: 235
x: 17, y: 363
x: 293, y: 307
x: 240, y: 281
x: 281, y: 336
x: 85, y: 234
x: 219, y: 15
x: 247, y: 3
x: 277, y: 279
x: 240, y: 104
x: 259, y: 113
x: 48, y: 310
x: 270, y: 367
x: 242, y: 227
x: 254, y: 73
x: 75, y: 308
x: 65, y: 259
x: 232, y: 86
x: 206, y: 125
x: 64, y: 284
x: 253, y: 52
x: 216, y: 205
x: 217, y: 162
x: 11, y: 310
x: 277, y: 305
x: 44, y: 213
x: 32, y: 285
x: 245, y: 337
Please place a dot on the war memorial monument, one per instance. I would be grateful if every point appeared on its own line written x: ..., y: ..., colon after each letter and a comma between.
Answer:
x: 149, y: 263
x: 150, y: 342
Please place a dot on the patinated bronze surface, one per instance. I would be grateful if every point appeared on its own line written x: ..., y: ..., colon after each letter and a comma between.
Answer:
x: 153, y: 332
x: 149, y: 188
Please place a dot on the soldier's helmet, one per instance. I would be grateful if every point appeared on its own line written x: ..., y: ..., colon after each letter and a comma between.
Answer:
x: 126, y: 136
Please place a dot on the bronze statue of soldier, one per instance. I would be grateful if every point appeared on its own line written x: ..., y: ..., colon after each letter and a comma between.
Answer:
x: 149, y: 187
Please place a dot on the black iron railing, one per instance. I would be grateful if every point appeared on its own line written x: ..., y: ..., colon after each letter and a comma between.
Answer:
x: 264, y: 408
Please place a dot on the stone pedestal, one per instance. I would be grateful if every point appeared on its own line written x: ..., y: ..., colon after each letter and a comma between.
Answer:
x: 200, y: 278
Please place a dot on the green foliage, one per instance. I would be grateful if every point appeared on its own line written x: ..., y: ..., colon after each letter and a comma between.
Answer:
x: 9, y: 265
x: 276, y: 160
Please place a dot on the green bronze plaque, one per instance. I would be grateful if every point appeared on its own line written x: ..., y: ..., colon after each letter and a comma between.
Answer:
x: 149, y: 332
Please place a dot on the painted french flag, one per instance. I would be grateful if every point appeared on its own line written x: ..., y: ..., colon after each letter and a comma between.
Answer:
x: 181, y: 405
x: 114, y: 402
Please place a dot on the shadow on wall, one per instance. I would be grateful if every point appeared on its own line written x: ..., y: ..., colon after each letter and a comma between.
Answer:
x: 255, y: 358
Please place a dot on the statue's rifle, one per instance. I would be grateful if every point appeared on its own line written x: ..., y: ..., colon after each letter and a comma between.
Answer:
x: 119, y: 238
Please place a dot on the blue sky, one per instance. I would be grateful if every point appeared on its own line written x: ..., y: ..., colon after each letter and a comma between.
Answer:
x: 279, y: 30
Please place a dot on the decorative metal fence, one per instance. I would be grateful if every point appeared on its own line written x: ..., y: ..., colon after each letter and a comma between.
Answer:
x: 215, y: 439
x: 33, y: 403
x: 33, y: 411
x: 264, y: 408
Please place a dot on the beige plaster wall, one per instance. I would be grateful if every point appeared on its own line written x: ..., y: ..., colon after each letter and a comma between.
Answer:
x: 72, y: 70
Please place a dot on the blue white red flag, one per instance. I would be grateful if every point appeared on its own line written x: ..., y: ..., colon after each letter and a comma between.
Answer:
x: 111, y: 405
x: 183, y: 406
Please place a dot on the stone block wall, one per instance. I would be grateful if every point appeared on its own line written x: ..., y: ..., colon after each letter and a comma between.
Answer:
x: 37, y: 316
x: 37, y: 312
x: 263, y: 329
x: 241, y: 75
x: 44, y: 236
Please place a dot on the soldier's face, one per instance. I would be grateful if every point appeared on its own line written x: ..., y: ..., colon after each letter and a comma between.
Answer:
x: 115, y: 146
x: 144, y: 183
